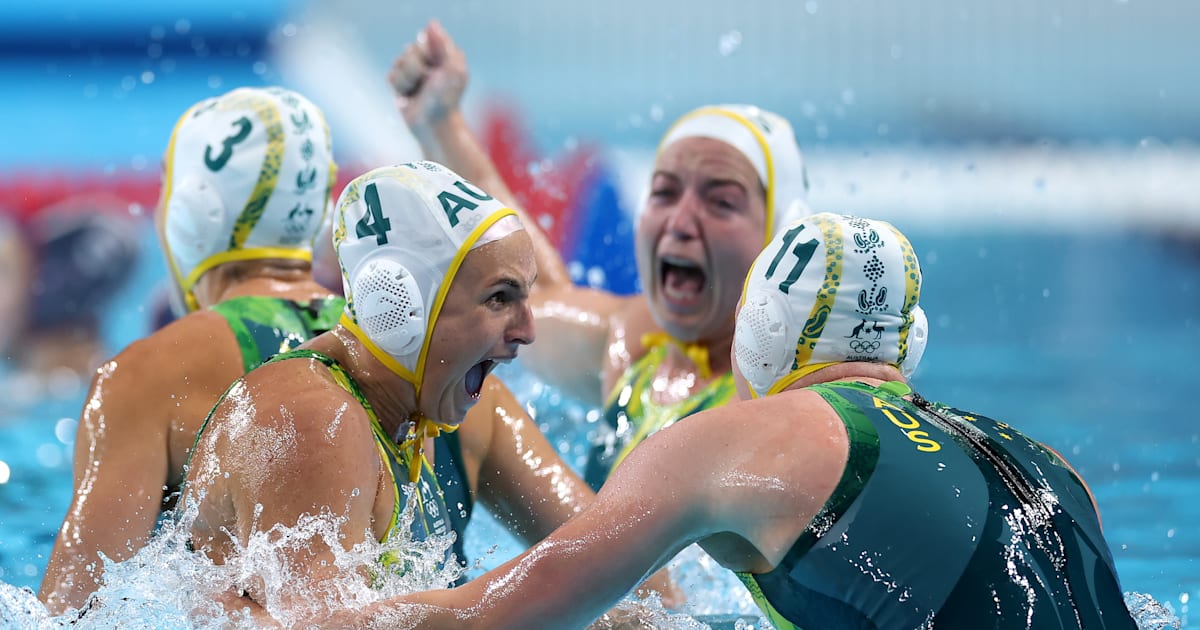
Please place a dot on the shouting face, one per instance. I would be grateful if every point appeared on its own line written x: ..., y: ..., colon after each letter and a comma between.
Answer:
x: 702, y: 226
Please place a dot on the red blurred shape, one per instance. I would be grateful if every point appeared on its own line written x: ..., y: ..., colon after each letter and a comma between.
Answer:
x: 548, y: 189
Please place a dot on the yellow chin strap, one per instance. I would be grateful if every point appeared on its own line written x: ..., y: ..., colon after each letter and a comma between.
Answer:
x: 696, y: 352
x: 794, y: 376
x: 798, y: 374
x: 413, y: 446
x: 188, y: 284
x: 420, y: 426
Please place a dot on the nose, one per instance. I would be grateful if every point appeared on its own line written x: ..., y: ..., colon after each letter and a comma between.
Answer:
x: 520, y: 330
x: 683, y: 221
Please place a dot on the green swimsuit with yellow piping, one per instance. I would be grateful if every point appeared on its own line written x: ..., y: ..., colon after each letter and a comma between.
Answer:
x: 943, y: 519
x: 266, y: 326
x: 432, y: 517
x: 633, y: 415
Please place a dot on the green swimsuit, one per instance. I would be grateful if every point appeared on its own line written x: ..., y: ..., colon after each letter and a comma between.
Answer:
x: 266, y: 326
x: 943, y: 519
x: 633, y: 415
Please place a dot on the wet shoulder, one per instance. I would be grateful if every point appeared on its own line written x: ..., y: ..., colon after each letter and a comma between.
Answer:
x: 297, y: 388
x: 192, y: 355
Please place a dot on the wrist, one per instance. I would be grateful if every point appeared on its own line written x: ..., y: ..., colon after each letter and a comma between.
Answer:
x: 440, y: 126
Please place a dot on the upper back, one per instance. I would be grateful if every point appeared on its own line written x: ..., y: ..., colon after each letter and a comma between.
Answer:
x: 961, y: 513
x: 187, y: 365
x: 265, y: 326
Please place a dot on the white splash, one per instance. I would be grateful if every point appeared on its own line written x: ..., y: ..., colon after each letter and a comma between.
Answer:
x: 167, y: 586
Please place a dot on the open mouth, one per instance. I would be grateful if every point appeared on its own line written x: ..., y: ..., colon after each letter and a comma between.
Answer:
x: 476, y: 375
x: 682, y: 280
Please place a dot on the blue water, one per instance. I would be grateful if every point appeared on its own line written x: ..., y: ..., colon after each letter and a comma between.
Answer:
x: 1085, y: 341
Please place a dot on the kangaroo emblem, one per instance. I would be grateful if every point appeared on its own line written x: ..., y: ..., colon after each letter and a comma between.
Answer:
x: 857, y: 330
x: 304, y: 184
x: 302, y: 123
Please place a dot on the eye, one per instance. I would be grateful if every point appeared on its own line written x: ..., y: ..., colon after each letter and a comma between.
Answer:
x: 725, y: 203
x: 662, y: 194
x: 499, y: 299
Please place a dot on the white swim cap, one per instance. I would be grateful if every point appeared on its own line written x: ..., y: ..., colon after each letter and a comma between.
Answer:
x: 767, y: 140
x: 401, y: 233
x: 247, y: 175
x: 829, y: 289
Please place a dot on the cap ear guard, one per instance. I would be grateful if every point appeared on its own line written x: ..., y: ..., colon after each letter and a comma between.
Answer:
x: 760, y: 340
x: 196, y: 221
x: 389, y: 305
x: 918, y: 337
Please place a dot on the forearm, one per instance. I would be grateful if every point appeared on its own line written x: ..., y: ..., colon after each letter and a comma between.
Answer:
x: 449, y: 141
x: 75, y: 568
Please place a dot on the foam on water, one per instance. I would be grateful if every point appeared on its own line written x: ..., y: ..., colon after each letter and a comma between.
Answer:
x: 165, y: 585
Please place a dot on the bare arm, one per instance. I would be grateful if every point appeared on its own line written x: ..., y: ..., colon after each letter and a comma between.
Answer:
x: 572, y: 577
x: 744, y: 488
x: 429, y: 78
x: 139, y: 419
x: 522, y: 480
x: 248, y: 476
x: 665, y: 496
x: 518, y: 475
x: 120, y: 468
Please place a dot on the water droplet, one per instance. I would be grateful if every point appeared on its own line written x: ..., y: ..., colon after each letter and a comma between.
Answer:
x: 729, y: 43
x: 64, y: 430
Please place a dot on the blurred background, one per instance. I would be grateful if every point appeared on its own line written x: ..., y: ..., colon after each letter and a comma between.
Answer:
x: 1041, y: 154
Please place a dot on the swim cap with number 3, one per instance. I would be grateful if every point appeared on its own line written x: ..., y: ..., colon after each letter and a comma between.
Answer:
x: 247, y: 175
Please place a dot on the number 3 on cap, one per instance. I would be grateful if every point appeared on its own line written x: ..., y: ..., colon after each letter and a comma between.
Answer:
x: 373, y: 222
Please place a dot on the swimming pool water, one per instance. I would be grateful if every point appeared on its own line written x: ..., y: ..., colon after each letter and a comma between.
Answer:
x: 1085, y: 341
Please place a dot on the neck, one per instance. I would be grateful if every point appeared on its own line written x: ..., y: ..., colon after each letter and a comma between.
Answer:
x: 873, y: 372
x: 282, y: 279
x: 392, y: 397
x: 682, y: 355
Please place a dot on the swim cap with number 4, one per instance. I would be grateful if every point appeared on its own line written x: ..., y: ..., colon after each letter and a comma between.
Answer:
x: 401, y: 233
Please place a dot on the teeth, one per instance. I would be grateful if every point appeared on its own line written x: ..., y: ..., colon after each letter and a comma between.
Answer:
x: 677, y: 294
x: 679, y: 262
